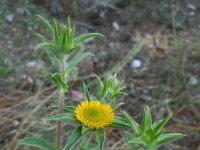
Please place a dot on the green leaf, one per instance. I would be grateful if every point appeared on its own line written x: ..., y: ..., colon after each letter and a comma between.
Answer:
x: 64, y: 36
x: 118, y: 94
x: 106, y: 88
x: 133, y: 124
x: 41, y: 37
x: 86, y: 92
x: 120, y: 123
x: 72, y: 33
x: 86, y: 36
x: 100, y: 138
x: 46, y: 24
x: 146, y: 120
x: 115, y: 106
x: 47, y: 45
x: 86, y: 145
x: 66, y: 108
x: 69, y: 108
x: 168, y: 138
x: 72, y: 63
x: 37, y: 143
x: 64, y: 117
x: 137, y: 141
x: 100, y: 87
x: 129, y: 137
x: 159, y: 126
x: 56, y: 32
x: 74, y: 138
x: 57, y: 79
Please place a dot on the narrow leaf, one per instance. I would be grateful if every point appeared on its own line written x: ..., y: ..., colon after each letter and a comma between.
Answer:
x: 129, y: 137
x: 137, y: 141
x: 133, y: 124
x: 64, y: 117
x: 120, y: 123
x: 86, y: 36
x: 64, y: 37
x: 41, y: 37
x: 100, y: 86
x: 47, y: 45
x: 37, y: 143
x: 159, y: 126
x: 46, y: 24
x: 115, y: 106
x: 73, y: 139
x: 69, y: 108
x: 58, y: 81
x: 86, y: 92
x: 168, y: 138
x: 118, y: 94
x: 56, y: 32
x: 100, y: 139
x: 146, y: 119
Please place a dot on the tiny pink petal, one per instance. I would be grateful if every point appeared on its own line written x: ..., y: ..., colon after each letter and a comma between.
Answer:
x: 76, y: 94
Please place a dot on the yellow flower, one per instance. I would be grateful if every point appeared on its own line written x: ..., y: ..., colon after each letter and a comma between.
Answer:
x: 94, y: 114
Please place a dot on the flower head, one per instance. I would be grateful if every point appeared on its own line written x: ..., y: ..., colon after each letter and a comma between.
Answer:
x: 94, y: 114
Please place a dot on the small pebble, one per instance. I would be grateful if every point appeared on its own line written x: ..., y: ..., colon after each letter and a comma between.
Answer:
x: 193, y: 80
x: 136, y: 63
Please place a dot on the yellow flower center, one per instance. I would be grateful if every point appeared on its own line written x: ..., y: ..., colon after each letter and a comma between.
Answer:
x: 94, y: 114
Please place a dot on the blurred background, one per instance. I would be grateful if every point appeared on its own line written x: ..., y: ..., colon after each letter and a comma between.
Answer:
x: 164, y: 75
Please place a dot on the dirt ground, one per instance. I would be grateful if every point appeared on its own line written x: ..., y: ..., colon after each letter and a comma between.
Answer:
x: 164, y: 75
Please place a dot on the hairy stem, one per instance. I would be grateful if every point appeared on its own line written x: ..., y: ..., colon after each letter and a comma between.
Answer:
x: 60, y: 103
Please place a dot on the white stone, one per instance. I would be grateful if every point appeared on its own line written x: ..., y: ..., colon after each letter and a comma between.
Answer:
x: 136, y: 63
x: 193, y: 80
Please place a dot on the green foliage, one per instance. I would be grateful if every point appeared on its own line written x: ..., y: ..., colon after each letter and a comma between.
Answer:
x: 86, y: 92
x: 62, y: 44
x: 120, y: 122
x: 148, y: 134
x: 100, y: 136
x: 73, y: 139
x: 117, y: 105
x: 109, y: 90
x: 63, y: 40
x: 37, y: 143
x: 64, y: 117
x: 133, y: 124
x: 58, y: 81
